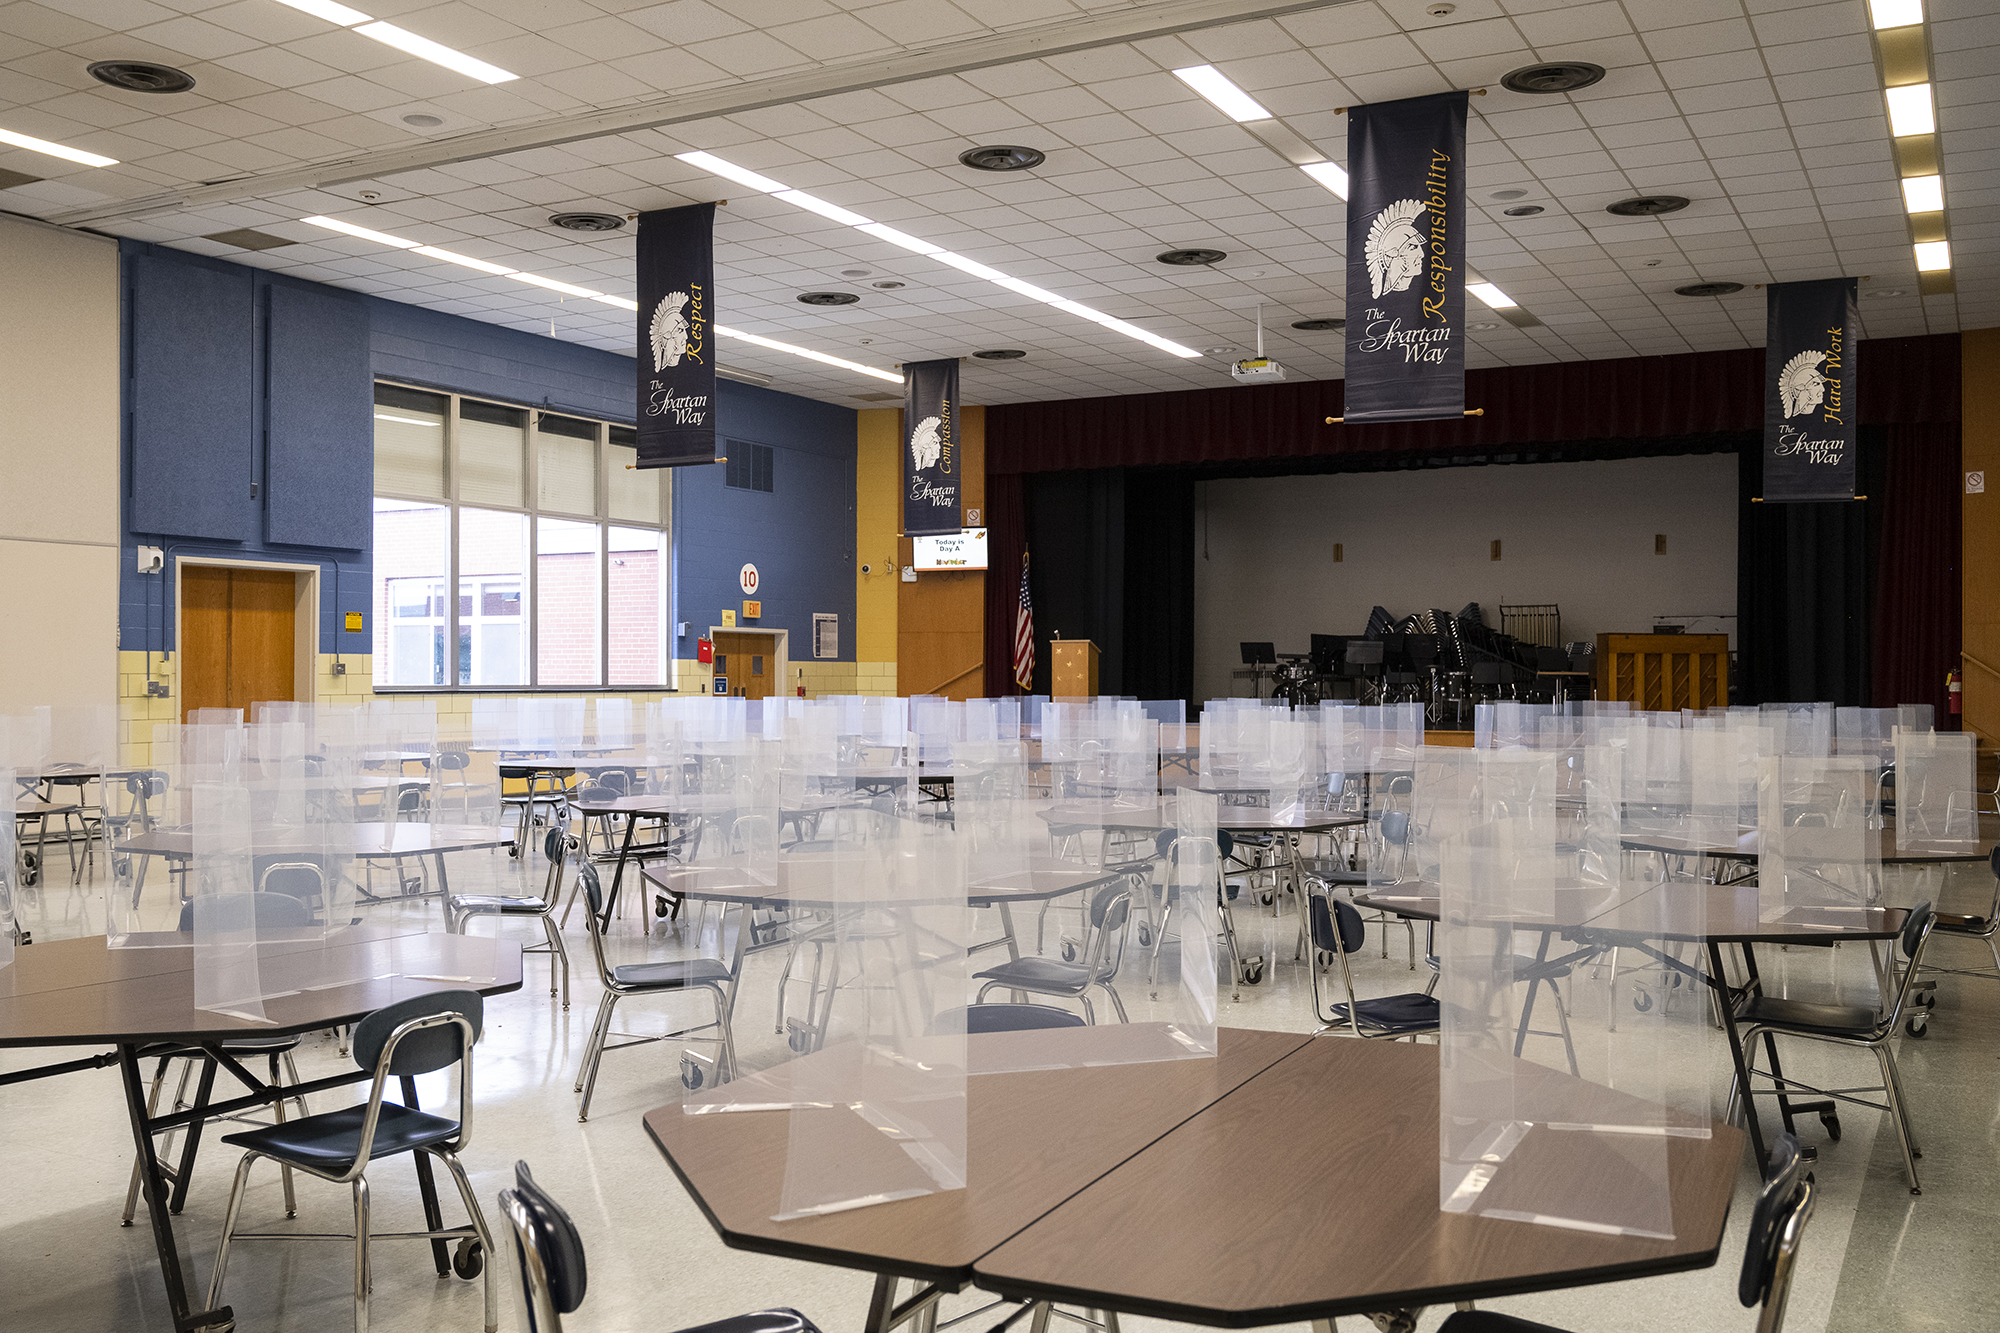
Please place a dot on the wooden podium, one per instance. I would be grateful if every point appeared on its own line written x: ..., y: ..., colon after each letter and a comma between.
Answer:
x: 1072, y: 669
x: 1664, y: 671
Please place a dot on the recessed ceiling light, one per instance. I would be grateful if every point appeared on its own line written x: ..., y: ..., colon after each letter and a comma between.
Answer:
x: 1886, y: 291
x: 1647, y: 206
x: 1191, y: 258
x: 888, y: 285
x: 1225, y: 96
x: 806, y: 352
x: 917, y: 245
x: 1319, y: 325
x: 1484, y: 328
x: 1933, y: 256
x: 1330, y: 174
x: 1002, y: 157
x: 1001, y: 354
x: 1492, y: 295
x: 330, y: 10
x: 828, y: 298
x: 855, y: 272
x: 483, y: 265
x: 361, y: 233
x: 1923, y: 194
x: 1708, y: 289
x: 1554, y: 76
x: 1895, y: 13
x: 587, y: 221
x: 438, y: 54
x: 1910, y: 110
x: 1523, y: 210
x: 63, y: 151
x: 140, y: 76
x: 1508, y: 194
x: 423, y: 120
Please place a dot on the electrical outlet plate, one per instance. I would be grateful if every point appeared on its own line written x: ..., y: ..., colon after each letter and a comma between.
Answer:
x: 156, y: 689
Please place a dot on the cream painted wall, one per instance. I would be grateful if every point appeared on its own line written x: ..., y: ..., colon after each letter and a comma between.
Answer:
x: 1576, y: 534
x: 59, y: 453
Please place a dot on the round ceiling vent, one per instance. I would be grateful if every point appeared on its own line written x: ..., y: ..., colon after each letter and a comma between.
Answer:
x: 828, y: 298
x: 1192, y: 258
x: 587, y: 221
x: 888, y: 285
x: 423, y: 120
x: 1001, y: 354
x: 1647, y: 206
x: 1483, y: 328
x: 1887, y: 291
x: 1708, y: 289
x: 1554, y: 76
x: 1524, y: 211
x: 1319, y: 325
x: 1219, y: 351
x: 1003, y: 157
x: 141, y: 76
x: 856, y: 272
x: 1508, y: 194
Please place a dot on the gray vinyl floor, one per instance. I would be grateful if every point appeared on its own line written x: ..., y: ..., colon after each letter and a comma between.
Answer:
x: 1876, y: 1258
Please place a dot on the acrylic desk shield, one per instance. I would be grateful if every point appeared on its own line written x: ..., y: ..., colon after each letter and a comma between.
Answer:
x: 1937, y: 808
x: 10, y: 866
x: 1555, y: 1108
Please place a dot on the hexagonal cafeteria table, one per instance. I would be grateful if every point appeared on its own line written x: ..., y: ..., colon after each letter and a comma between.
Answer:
x: 141, y: 1000
x: 1289, y: 1178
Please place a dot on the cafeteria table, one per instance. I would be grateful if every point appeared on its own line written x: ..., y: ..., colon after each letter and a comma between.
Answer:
x: 141, y: 1000
x: 1288, y: 1178
x: 1744, y: 848
x: 1705, y: 915
x: 370, y: 841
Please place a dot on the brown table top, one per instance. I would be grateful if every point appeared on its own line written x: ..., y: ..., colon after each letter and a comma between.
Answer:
x: 1745, y: 847
x: 368, y: 840
x: 1672, y: 911
x: 802, y: 880
x: 1312, y: 1191
x: 1034, y: 1138
x: 711, y: 804
x: 81, y: 992
x: 1159, y: 815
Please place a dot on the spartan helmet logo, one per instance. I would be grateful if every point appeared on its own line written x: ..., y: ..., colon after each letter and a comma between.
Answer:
x: 670, y: 330
x: 926, y: 444
x: 1800, y: 385
x: 1394, y: 250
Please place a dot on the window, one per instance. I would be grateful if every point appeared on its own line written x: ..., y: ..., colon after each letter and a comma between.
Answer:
x: 749, y: 467
x: 561, y: 558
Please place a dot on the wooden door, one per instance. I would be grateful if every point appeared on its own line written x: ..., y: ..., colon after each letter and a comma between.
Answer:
x: 748, y: 662
x: 238, y: 637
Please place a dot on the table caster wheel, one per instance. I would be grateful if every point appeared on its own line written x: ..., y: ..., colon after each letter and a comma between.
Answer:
x: 1918, y: 1026
x: 1253, y: 971
x: 468, y: 1259
x: 660, y: 905
x: 691, y: 1075
x: 1145, y: 936
x: 1642, y: 1002
x: 1831, y: 1119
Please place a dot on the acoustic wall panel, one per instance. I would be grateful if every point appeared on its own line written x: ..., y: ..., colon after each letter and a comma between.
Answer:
x: 320, y: 461
x: 193, y: 400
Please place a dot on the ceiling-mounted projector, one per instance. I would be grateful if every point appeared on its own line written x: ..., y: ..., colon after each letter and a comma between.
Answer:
x: 1258, y: 369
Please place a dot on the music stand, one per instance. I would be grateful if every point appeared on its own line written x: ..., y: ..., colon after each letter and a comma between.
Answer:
x: 1257, y: 656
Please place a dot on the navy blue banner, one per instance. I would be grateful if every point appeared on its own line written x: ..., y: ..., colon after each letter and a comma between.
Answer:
x: 930, y: 448
x: 676, y: 312
x: 1406, y: 259
x: 1809, y: 391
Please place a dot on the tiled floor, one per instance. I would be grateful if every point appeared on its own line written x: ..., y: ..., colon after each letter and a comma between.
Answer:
x: 1876, y: 1257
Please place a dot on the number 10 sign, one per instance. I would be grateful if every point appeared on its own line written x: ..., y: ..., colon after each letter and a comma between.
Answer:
x: 747, y: 578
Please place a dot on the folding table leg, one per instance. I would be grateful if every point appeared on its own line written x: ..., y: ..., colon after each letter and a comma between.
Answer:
x: 156, y: 1205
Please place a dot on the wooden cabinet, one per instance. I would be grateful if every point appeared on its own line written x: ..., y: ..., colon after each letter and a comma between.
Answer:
x: 1664, y: 672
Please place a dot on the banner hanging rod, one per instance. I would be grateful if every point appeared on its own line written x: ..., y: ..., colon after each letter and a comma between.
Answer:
x: 1469, y: 92
x: 1470, y: 412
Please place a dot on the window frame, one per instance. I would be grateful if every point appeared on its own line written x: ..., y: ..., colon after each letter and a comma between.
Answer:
x: 606, y: 459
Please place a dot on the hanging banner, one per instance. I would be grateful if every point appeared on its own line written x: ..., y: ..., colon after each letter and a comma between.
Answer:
x: 1809, y: 388
x: 676, y: 363
x: 1406, y: 259
x: 930, y: 447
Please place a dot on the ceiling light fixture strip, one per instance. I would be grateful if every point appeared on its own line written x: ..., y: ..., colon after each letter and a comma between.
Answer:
x: 570, y: 289
x: 63, y: 151
x: 730, y: 171
x: 402, y: 39
x: 1903, y: 58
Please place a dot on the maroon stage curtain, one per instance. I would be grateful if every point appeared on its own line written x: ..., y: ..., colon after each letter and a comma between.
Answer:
x: 1917, y: 574
x: 1902, y: 380
x: 1006, y: 538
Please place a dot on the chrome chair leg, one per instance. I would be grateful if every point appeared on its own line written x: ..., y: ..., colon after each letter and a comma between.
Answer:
x: 472, y: 1209
x: 560, y: 958
x: 1887, y: 1059
x: 595, y: 1056
x: 284, y: 1169
x: 236, y: 1189
x: 1116, y: 1003
x: 363, y: 1279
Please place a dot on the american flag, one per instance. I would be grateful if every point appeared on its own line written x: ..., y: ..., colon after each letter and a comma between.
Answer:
x: 1024, y: 633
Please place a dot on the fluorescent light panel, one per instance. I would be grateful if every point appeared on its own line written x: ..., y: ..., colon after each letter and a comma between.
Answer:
x: 1910, y: 110
x: 568, y: 289
x: 403, y: 40
x: 1923, y: 194
x: 1895, y: 13
x: 1933, y: 256
x: 1492, y: 295
x: 779, y: 190
x: 56, y: 150
x: 331, y: 11
x: 1227, y: 98
x: 1330, y: 174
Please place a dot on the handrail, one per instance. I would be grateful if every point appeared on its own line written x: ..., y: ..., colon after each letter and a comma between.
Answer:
x: 1983, y: 666
x: 953, y: 680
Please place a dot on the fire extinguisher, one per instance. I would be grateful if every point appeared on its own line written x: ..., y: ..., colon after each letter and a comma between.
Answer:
x: 1954, y: 684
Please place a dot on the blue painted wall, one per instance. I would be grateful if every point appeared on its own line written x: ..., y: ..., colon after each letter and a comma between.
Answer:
x: 293, y: 401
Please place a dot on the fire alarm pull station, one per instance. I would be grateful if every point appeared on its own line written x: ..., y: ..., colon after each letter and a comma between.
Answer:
x: 704, y: 651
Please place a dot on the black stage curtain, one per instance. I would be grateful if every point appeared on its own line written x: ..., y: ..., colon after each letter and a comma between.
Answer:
x: 1076, y: 536
x: 1918, y: 574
